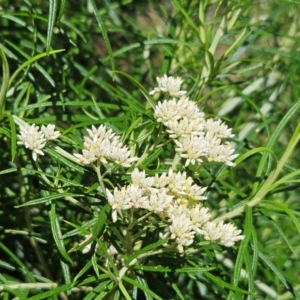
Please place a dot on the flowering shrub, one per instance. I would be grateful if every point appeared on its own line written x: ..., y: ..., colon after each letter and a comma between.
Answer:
x: 169, y: 204
x: 117, y: 186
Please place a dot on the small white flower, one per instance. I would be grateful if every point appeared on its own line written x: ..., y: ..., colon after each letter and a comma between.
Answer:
x: 49, y: 132
x: 135, y: 196
x: 102, y: 145
x: 119, y: 201
x: 173, y: 110
x: 139, y: 178
x: 166, y: 111
x: 193, y: 148
x: 33, y: 139
x: 169, y: 85
x: 182, y: 231
x: 101, y: 133
x: 161, y: 181
x: 159, y: 201
x: 223, y: 234
x: 86, y: 158
x: 218, y: 128
x: 199, y: 216
x: 184, y: 128
x: 121, y: 156
x: 221, y: 153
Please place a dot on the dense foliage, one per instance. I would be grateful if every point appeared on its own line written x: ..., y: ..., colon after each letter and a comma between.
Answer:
x: 82, y: 64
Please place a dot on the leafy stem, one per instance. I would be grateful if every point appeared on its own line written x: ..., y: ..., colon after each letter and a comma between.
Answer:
x: 268, y: 185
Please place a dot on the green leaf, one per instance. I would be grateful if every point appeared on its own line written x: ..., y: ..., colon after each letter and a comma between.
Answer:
x: 14, y: 258
x: 194, y: 270
x: 67, y: 274
x: 251, y: 152
x: 56, y: 231
x: 104, y: 33
x: 142, y: 287
x: 282, y: 207
x: 101, y: 220
x: 279, y: 275
x: 5, y: 82
x: 177, y: 290
x: 274, y: 138
x: 31, y: 61
x: 51, y: 22
x: 242, y: 249
x: 61, y: 9
x: 146, y: 249
x: 13, y: 135
x: 10, y: 170
x: 224, y: 284
x: 48, y: 199
x: 281, y: 233
x: 54, y: 292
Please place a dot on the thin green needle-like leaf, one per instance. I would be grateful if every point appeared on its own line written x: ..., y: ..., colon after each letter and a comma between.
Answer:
x: 279, y: 274
x: 224, y: 284
x: 243, y: 247
x: 18, y: 262
x: 52, y: 294
x: 5, y: 82
x: 67, y: 274
x: 56, y: 231
x: 61, y: 10
x: 104, y: 32
x: 142, y: 287
x: 188, y: 20
x: 47, y: 199
x: 13, y: 135
x: 274, y: 138
x: 51, y: 22
x: 30, y: 61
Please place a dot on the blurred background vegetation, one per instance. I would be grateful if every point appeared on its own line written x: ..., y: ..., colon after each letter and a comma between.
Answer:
x: 239, y: 61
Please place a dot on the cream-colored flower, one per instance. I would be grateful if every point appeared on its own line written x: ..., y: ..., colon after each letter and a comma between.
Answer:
x: 102, y: 145
x: 182, y: 231
x: 166, y: 111
x: 169, y: 85
x: 158, y: 202
x: 33, y: 139
x: 135, y: 196
x: 49, y: 132
x: 218, y: 128
x: 193, y: 148
x: 121, y: 156
x: 199, y: 216
x: 221, y: 153
x: 184, y: 128
x: 173, y: 110
x: 119, y: 201
x: 140, y: 179
x: 223, y: 234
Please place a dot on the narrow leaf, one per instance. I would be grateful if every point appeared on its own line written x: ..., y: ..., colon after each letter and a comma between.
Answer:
x: 55, y: 227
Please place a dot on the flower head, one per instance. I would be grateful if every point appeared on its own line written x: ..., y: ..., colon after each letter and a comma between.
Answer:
x: 102, y: 145
x: 223, y: 234
x: 173, y: 110
x: 169, y: 85
x: 33, y: 139
x: 218, y: 128
x: 182, y: 231
x: 49, y: 132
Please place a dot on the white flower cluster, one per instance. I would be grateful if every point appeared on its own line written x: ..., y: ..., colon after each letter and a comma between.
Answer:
x: 169, y: 86
x: 175, y: 199
x: 102, y: 145
x: 196, y: 138
x: 34, y: 138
